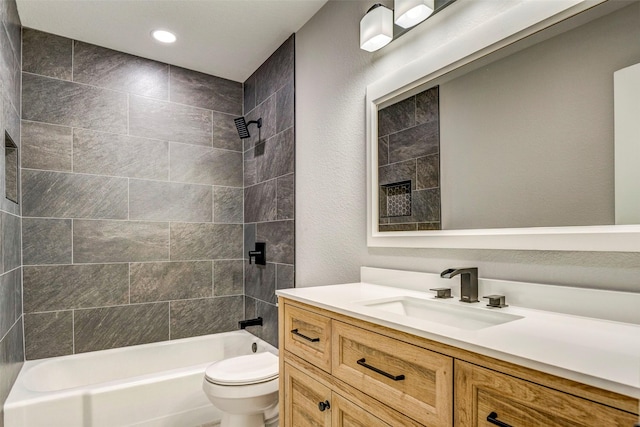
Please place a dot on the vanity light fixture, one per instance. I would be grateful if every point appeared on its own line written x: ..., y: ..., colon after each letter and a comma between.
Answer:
x: 164, y: 36
x: 376, y: 28
x: 409, y: 13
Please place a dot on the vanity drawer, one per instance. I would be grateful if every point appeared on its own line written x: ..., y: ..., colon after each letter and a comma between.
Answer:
x: 482, y: 393
x: 308, y: 336
x: 414, y: 381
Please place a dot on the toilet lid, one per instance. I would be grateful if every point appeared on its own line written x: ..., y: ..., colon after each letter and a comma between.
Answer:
x: 250, y: 369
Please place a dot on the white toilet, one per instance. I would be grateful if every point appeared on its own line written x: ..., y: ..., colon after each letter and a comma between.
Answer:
x: 245, y: 389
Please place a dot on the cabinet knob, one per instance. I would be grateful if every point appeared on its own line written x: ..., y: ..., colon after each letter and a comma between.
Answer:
x: 324, y: 405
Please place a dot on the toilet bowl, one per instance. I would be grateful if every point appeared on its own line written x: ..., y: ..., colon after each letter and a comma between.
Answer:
x: 244, y: 388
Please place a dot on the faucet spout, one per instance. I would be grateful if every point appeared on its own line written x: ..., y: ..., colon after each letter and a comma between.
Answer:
x: 468, y: 282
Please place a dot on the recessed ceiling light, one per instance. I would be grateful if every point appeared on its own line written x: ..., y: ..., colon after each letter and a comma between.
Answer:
x: 164, y: 36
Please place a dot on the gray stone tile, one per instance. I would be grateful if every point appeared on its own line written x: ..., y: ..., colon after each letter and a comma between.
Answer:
x: 11, y: 358
x: 205, y: 91
x: 64, y: 195
x: 285, y: 198
x: 249, y: 239
x: 426, y: 205
x: 8, y: 313
x: 428, y: 172
x: 278, y: 157
x: 418, y: 141
x: 120, y: 155
x: 200, y: 165
x: 111, y: 327
x: 249, y: 93
x: 285, y: 113
x: 397, y: 227
x: 167, y: 201
x: 267, y: 112
x: 225, y: 134
x: 430, y: 226
x: 63, y: 287
x: 398, y: 172
x: 276, y: 71
x: 228, y: 205
x: 120, y: 241
x: 164, y: 281
x: 260, y: 202
x: 269, y: 329
x: 279, y: 236
x: 250, y: 173
x: 228, y: 277
x: 206, y: 241
x: 383, y: 150
x: 111, y: 69
x: 46, y: 147
x: 11, y: 241
x: 46, y: 241
x: 168, y: 121
x: 8, y: 65
x: 285, y: 276
x: 260, y: 280
x: 428, y: 106
x: 397, y: 117
x: 71, y: 104
x: 48, y: 334
x: 205, y: 316
x: 46, y: 54
x: 13, y: 24
x: 250, y: 310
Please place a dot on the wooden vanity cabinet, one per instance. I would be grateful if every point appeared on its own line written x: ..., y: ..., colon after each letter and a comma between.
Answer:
x: 371, y: 375
x: 483, y: 395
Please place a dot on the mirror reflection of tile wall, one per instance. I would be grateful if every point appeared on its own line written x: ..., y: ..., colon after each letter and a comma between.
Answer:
x: 409, y: 164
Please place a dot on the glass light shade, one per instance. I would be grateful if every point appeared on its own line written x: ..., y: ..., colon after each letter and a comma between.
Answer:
x: 412, y: 12
x: 376, y: 28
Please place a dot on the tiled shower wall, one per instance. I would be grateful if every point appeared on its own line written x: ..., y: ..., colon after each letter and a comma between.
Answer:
x: 11, y: 344
x: 132, y: 194
x: 269, y: 185
x: 409, y: 150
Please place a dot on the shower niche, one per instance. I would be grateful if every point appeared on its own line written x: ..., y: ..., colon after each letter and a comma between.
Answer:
x: 10, y: 168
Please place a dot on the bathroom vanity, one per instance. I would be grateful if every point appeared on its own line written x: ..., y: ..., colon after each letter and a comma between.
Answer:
x: 363, y: 354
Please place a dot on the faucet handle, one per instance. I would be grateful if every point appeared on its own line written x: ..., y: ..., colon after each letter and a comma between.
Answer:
x: 442, y: 292
x: 497, y: 301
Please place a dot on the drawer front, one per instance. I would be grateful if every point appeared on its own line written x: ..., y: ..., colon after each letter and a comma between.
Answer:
x: 302, y: 395
x: 414, y: 381
x: 348, y: 414
x: 308, y: 335
x: 483, y: 395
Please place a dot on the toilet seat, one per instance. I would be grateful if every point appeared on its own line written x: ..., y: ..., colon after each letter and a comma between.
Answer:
x: 244, y: 370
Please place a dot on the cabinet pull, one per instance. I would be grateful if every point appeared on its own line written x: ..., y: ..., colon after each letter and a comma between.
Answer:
x: 493, y: 419
x: 324, y: 405
x: 362, y: 361
x: 295, y: 332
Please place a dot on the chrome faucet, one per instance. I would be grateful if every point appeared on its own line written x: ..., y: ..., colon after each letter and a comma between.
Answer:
x: 468, y: 282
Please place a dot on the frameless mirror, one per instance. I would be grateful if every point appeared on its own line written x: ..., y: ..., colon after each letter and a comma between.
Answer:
x: 519, y: 141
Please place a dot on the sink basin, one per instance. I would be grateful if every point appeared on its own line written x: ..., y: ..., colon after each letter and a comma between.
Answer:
x: 469, y: 318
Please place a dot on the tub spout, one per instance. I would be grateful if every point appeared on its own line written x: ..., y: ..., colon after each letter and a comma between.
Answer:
x: 250, y: 322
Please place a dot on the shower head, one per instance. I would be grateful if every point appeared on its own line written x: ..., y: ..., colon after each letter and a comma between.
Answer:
x: 241, y: 125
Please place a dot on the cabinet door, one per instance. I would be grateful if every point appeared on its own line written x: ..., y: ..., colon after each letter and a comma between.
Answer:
x: 303, y: 395
x: 308, y: 336
x: 483, y: 395
x: 348, y: 414
x: 412, y: 380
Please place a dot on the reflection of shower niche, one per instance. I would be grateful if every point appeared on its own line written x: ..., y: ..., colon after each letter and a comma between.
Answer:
x: 409, y: 163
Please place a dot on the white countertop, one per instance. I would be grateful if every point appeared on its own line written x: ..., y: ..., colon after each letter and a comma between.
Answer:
x: 601, y: 353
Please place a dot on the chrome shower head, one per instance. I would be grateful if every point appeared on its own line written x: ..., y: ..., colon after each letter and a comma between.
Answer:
x: 242, y: 126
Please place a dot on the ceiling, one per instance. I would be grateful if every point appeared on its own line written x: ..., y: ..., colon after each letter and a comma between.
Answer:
x: 225, y: 38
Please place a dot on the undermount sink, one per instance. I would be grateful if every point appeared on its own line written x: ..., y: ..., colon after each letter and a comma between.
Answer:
x: 470, y: 318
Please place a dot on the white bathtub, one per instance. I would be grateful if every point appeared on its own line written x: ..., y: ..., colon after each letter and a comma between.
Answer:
x: 148, y: 385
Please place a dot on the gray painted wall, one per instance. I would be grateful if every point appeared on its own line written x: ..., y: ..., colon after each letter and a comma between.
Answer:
x: 332, y: 74
x: 11, y: 342
x: 269, y: 181
x: 132, y: 194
